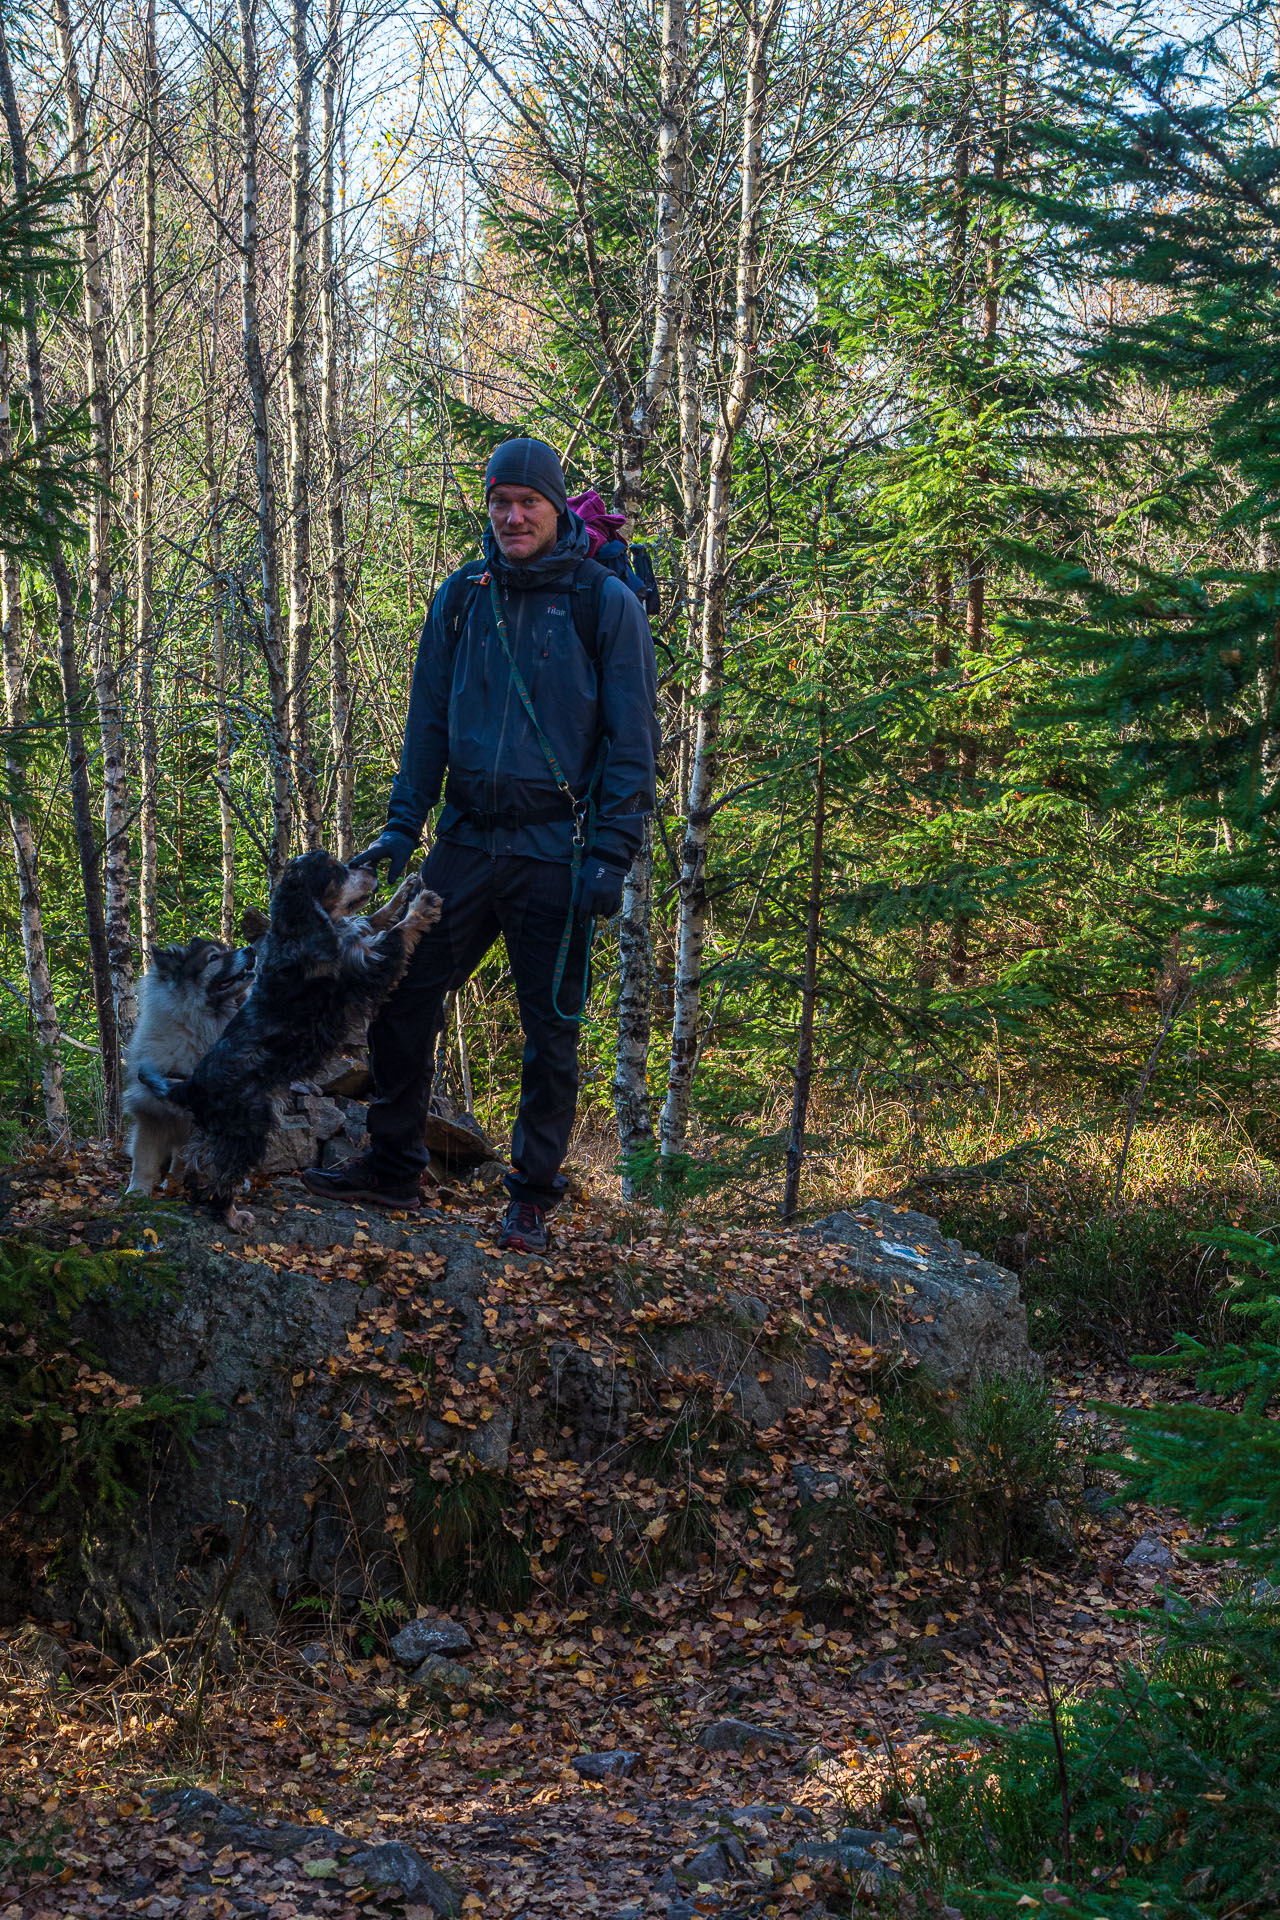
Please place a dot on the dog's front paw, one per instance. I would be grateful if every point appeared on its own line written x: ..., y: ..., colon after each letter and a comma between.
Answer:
x: 239, y: 1219
x: 425, y: 911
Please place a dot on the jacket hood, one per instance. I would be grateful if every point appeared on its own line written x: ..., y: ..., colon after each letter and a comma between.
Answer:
x: 549, y: 569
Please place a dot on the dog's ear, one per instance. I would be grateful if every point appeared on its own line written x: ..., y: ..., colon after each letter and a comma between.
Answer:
x: 295, y: 904
x: 253, y: 924
x: 168, y: 961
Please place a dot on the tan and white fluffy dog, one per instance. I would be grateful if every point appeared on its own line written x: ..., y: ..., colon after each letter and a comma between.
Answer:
x: 185, y: 1002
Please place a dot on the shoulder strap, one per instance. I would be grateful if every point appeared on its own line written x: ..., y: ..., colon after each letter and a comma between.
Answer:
x: 588, y: 590
x: 460, y: 593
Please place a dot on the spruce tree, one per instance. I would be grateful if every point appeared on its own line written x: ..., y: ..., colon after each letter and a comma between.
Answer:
x: 1160, y: 597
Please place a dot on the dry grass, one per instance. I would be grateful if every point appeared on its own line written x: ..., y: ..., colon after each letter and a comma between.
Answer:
x: 882, y: 1146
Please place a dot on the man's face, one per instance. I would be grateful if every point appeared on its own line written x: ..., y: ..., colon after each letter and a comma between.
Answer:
x: 523, y: 521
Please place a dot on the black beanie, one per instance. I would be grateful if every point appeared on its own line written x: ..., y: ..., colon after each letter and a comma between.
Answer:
x: 527, y: 463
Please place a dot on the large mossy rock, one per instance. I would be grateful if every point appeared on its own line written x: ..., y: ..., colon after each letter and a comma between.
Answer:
x: 378, y: 1398
x: 393, y: 1411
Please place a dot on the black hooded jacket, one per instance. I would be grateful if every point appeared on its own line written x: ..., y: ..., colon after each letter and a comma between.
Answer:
x: 466, y: 716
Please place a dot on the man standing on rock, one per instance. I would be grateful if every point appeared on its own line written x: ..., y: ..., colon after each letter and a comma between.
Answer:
x: 534, y: 690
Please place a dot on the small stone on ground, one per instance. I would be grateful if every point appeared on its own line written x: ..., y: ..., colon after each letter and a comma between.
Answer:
x: 736, y: 1736
x: 413, y: 1643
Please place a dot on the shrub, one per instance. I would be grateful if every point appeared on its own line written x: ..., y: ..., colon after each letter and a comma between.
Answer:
x: 1220, y: 1465
x: 980, y: 1474
x: 989, y: 1478
x: 1160, y: 1795
x: 1099, y: 1281
x: 1135, y: 1277
x: 1171, y: 1781
x: 65, y: 1423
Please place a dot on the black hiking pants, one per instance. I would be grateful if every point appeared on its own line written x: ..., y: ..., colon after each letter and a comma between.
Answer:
x: 527, y: 902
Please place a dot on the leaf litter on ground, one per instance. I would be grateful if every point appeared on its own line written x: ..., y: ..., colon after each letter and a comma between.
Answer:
x: 481, y: 1782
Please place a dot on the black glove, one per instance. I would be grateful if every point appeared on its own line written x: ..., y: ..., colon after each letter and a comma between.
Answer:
x: 598, y: 894
x: 397, y: 848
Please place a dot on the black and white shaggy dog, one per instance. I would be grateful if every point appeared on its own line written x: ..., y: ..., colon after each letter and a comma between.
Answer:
x: 316, y: 966
x: 184, y: 1002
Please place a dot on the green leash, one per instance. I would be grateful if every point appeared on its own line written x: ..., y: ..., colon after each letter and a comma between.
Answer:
x: 584, y: 810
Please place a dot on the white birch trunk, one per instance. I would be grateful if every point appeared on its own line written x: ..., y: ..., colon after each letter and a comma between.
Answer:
x: 149, y: 795
x: 256, y: 381
x: 299, y: 449
x: 44, y: 1012
x: 672, y: 159
x: 68, y: 659
x: 691, y: 496
x: 213, y: 565
x: 116, y: 807
x: 635, y: 948
x: 344, y: 779
x: 714, y: 584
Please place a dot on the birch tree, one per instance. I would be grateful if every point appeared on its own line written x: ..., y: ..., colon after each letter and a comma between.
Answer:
x: 635, y: 928
x: 44, y: 1013
x: 116, y: 801
x: 297, y: 357
x: 713, y: 580
x: 210, y: 367
x: 340, y: 717
x: 68, y: 660
x: 144, y: 470
x: 273, y: 647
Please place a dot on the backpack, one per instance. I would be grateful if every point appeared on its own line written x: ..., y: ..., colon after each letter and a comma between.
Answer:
x: 634, y: 567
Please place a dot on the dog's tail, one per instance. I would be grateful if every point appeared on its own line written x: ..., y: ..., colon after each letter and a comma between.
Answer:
x: 164, y: 1086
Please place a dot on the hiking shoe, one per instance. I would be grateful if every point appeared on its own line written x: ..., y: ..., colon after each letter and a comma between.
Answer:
x: 361, y: 1180
x: 524, y: 1229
